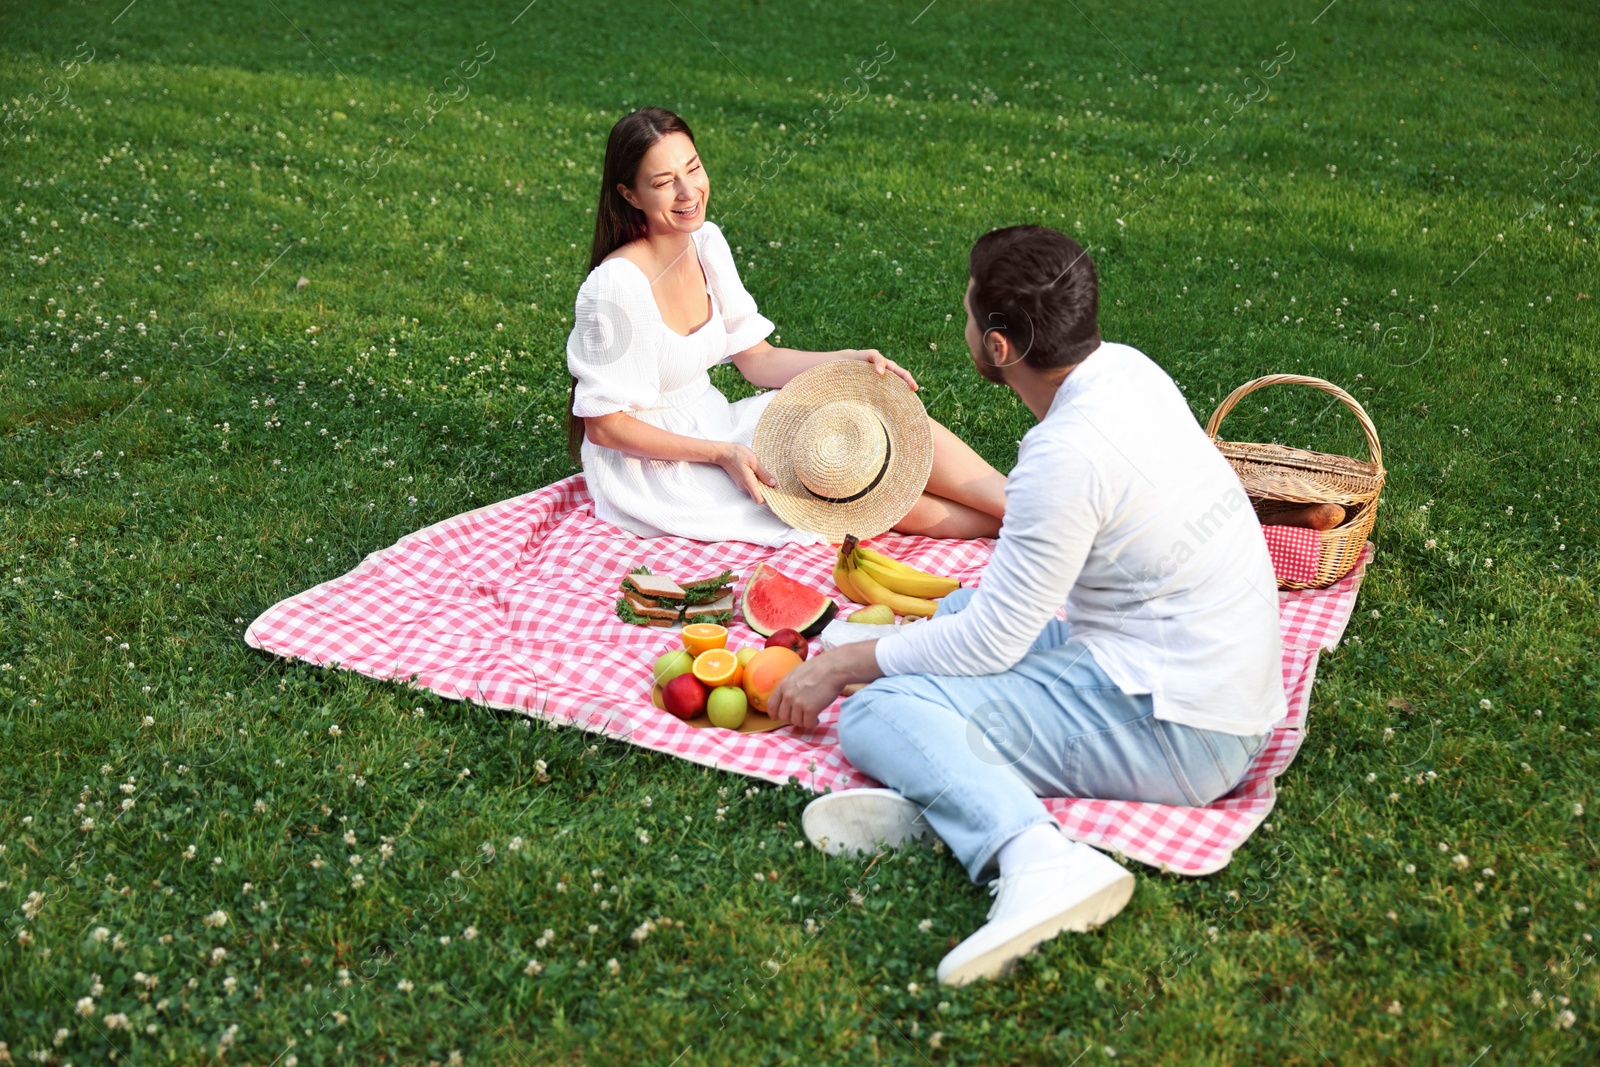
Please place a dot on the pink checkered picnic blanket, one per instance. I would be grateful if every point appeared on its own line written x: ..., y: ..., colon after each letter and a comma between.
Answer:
x: 511, y: 607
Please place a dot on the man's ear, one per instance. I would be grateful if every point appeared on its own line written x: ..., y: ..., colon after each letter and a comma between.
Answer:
x: 997, y: 347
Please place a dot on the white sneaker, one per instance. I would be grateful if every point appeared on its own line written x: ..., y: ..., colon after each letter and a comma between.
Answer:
x: 856, y: 821
x: 1034, y: 904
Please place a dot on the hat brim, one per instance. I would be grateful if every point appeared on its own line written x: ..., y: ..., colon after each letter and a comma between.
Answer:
x: 910, y: 449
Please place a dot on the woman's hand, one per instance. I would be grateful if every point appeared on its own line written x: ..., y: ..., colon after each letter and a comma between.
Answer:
x: 881, y: 363
x: 745, y: 470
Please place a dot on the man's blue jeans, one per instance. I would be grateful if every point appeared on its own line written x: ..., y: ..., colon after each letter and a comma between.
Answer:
x: 977, y: 753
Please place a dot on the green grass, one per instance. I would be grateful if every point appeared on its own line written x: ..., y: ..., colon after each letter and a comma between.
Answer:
x: 185, y: 438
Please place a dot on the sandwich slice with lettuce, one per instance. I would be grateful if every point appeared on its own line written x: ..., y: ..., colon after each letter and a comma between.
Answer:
x: 655, y: 600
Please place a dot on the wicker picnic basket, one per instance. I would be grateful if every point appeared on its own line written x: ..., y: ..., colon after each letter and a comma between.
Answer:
x: 1278, y: 478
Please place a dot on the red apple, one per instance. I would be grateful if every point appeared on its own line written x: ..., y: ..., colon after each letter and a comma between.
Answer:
x: 793, y: 640
x: 685, y: 696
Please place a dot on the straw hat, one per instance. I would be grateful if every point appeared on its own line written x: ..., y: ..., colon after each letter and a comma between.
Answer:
x: 850, y: 449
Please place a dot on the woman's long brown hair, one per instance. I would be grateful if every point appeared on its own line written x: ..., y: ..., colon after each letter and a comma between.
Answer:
x: 617, y: 222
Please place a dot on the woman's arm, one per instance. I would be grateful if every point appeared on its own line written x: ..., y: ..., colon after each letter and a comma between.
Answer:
x: 624, y: 433
x: 769, y: 367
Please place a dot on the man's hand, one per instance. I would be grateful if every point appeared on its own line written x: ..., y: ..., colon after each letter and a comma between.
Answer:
x: 802, y: 694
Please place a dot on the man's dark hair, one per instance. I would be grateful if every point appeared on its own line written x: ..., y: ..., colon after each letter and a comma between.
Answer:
x: 1038, y: 287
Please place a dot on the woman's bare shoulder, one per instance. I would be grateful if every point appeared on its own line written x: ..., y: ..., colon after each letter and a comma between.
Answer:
x: 635, y: 252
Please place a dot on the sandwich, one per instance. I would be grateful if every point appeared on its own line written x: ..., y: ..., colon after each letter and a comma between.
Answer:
x: 655, y: 600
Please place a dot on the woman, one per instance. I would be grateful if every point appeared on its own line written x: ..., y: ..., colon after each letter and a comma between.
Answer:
x: 663, y: 451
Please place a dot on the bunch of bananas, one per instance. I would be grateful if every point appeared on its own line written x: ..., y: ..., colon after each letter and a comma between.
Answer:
x: 869, y: 577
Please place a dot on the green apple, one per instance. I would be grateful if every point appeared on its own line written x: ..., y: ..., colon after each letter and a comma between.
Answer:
x: 744, y: 654
x: 727, y: 707
x: 671, y: 664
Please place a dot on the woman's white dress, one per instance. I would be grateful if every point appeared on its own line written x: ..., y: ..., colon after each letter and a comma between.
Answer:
x: 626, y: 358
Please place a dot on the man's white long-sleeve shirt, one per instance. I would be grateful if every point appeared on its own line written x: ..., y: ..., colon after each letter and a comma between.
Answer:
x: 1122, y: 509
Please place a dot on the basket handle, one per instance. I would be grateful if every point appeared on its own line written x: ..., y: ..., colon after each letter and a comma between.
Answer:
x: 1233, y: 398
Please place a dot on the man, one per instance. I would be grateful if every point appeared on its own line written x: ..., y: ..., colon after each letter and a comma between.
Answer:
x: 1162, y: 683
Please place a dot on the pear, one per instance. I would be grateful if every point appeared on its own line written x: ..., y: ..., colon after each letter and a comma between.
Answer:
x: 876, y: 615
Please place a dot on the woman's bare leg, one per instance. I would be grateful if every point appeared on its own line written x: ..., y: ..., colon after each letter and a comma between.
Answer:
x: 964, y: 477
x: 936, y: 516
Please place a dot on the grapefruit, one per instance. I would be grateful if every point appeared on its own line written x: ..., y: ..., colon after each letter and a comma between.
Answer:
x: 762, y: 674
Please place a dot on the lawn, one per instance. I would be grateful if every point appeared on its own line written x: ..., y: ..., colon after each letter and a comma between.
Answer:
x: 1398, y: 197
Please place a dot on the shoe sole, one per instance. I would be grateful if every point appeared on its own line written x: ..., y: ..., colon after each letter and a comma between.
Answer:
x: 1093, y: 911
x: 857, y: 822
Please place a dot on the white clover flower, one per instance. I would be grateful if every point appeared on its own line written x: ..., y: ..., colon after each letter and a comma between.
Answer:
x: 85, y: 1006
x: 355, y: 860
x: 469, y: 934
x: 925, y: 925
x: 514, y: 845
x: 613, y: 966
x: 115, y: 1021
x: 1461, y: 861
x: 404, y: 985
x: 533, y: 968
x: 230, y: 985
x: 1577, y: 809
x: 99, y: 934
x: 349, y: 837
x: 1565, y: 1019
x: 334, y: 731
x: 1393, y: 1007
x: 218, y: 954
x: 1485, y: 704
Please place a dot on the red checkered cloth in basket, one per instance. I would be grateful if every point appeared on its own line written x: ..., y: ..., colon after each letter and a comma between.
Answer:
x: 1296, y: 552
x: 511, y: 606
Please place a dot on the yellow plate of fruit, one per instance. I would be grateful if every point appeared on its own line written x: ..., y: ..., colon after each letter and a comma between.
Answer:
x: 706, y: 684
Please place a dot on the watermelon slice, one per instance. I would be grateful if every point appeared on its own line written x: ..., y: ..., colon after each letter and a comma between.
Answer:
x: 773, y: 601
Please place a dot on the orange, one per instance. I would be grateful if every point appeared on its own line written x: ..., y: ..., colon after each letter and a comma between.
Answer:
x: 717, y: 666
x: 700, y: 636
